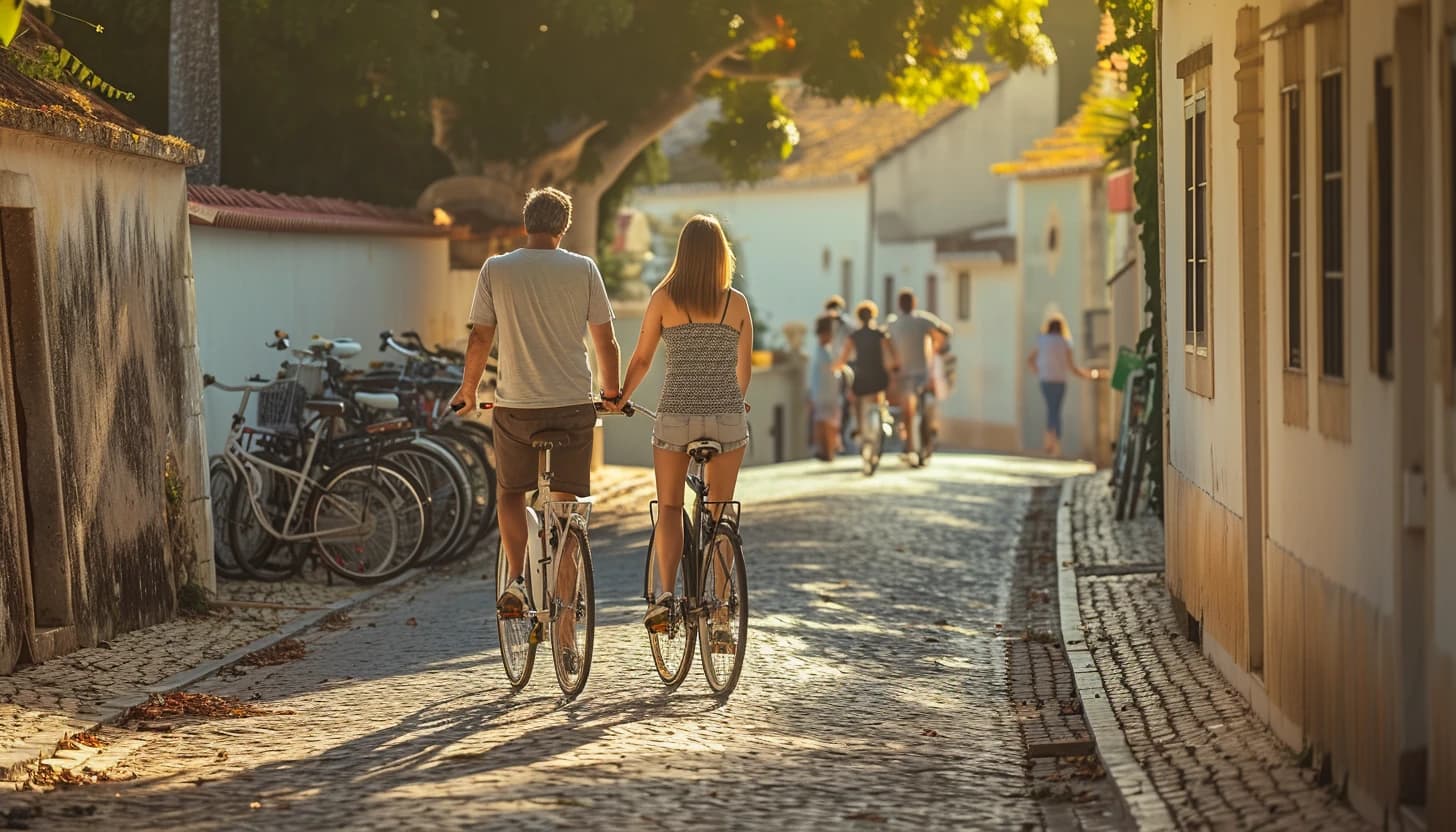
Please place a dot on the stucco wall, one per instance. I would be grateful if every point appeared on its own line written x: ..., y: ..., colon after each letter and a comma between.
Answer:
x: 110, y: 237
x: 780, y: 235
x: 250, y: 283
x: 1056, y: 280
x: 942, y: 182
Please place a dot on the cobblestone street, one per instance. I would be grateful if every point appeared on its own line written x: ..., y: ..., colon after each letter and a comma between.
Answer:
x: 875, y: 690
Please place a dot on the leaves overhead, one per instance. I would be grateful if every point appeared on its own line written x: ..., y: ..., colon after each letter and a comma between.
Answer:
x: 335, y: 98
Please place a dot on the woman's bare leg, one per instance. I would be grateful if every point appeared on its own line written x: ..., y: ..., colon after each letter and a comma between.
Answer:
x: 671, y: 468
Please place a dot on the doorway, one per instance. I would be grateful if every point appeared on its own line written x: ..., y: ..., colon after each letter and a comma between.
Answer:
x: 45, y: 550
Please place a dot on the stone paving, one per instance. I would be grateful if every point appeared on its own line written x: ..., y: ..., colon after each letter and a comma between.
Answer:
x: 1209, y: 758
x: 874, y: 693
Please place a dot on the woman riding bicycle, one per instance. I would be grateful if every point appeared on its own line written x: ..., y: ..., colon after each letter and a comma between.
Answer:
x: 874, y: 359
x: 708, y: 331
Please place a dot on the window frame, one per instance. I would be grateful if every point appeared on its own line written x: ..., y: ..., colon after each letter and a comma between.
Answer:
x: 1333, y: 237
x: 963, y: 295
x: 1382, y: 222
x: 1293, y: 202
x: 1198, y: 262
x: 932, y: 293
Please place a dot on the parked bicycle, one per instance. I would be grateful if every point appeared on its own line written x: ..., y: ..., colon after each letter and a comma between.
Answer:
x: 1132, y: 464
x: 710, y: 592
x: 364, y: 518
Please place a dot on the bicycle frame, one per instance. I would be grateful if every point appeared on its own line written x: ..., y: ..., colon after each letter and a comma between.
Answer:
x: 546, y: 519
x: 238, y: 458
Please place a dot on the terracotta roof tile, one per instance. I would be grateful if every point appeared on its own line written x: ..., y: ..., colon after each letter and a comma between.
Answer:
x: 221, y: 207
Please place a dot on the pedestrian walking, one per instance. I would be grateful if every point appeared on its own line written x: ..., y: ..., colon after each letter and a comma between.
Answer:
x: 1053, y: 362
x: 834, y: 308
x: 707, y: 329
x: 825, y: 396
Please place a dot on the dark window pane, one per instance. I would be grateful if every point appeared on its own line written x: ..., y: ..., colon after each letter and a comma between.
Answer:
x: 1200, y: 291
x: 1451, y: 210
x: 1333, y: 356
x: 1296, y: 314
x: 1200, y: 148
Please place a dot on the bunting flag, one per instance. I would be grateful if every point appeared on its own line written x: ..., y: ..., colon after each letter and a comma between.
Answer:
x: 82, y: 73
x: 10, y: 11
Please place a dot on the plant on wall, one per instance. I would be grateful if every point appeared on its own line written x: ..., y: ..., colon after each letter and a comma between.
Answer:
x: 1135, y: 44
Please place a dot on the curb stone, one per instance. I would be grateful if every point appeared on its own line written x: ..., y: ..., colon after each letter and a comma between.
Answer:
x: 16, y: 760
x: 1136, y: 790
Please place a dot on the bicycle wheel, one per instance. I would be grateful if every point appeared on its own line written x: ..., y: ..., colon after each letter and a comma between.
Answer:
x: 221, y: 484
x: 1129, y: 474
x: 927, y: 429
x: 257, y: 552
x: 573, y: 611
x: 872, y: 440
x: 370, y: 520
x: 723, y: 630
x: 447, y: 489
x: 517, y: 648
x: 482, y: 486
x: 672, y: 650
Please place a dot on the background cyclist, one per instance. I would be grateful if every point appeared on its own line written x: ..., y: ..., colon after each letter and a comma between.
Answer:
x: 874, y: 359
x: 917, y: 336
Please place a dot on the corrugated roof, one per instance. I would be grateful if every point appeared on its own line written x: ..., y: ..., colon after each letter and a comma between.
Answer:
x: 221, y: 207
x: 839, y: 141
x: 63, y: 110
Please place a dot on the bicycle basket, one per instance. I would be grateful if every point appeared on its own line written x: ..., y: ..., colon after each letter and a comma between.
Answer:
x: 310, y: 376
x: 280, y: 405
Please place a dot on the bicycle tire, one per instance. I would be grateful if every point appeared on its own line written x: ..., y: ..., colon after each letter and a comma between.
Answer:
x: 1127, y: 476
x: 1139, y: 472
x: 221, y: 481
x: 482, y: 437
x: 448, y: 488
x: 872, y: 442
x: 672, y: 652
x: 927, y: 431
x: 261, y: 555
x: 513, y: 635
x: 483, y: 513
x: 393, y: 494
x: 583, y: 603
x: 723, y: 679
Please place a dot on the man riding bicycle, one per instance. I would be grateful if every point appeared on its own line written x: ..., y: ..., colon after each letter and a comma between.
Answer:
x: 541, y: 301
x: 917, y: 335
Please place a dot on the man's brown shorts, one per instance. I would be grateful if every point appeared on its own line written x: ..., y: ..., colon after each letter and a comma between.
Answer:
x: 516, y: 461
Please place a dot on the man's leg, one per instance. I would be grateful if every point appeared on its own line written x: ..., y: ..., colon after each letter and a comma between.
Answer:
x: 511, y: 511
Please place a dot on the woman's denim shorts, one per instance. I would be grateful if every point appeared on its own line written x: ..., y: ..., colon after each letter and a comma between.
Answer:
x: 675, y: 431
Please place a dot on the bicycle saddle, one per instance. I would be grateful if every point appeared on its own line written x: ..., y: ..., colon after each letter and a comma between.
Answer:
x: 704, y: 449
x: 337, y: 347
x: 549, y: 439
x: 325, y: 407
x: 377, y: 401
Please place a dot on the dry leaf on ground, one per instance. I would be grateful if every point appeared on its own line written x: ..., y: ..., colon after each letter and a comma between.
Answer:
x: 195, y: 704
x: 85, y: 739
x: 335, y: 621
x: 281, y: 653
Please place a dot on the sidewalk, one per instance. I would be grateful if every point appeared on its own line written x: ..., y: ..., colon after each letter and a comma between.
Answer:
x: 1183, y: 748
x: 41, y: 705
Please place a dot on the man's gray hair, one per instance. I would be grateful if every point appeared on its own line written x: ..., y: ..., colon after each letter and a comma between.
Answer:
x: 547, y: 211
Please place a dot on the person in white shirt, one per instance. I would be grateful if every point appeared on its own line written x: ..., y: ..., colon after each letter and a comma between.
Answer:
x: 1053, y: 362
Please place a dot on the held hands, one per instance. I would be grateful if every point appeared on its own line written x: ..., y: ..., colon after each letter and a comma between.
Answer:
x: 614, y: 400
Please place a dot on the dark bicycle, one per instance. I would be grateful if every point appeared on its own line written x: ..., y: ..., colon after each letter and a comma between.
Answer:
x: 710, y: 592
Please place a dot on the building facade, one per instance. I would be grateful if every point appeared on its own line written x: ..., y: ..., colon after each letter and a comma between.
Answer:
x: 103, y: 487
x: 1307, y: 208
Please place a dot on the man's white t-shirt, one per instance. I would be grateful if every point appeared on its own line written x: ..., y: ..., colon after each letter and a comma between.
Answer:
x: 540, y: 302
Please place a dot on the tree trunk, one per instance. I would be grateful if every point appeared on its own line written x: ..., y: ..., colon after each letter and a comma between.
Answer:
x: 194, y: 88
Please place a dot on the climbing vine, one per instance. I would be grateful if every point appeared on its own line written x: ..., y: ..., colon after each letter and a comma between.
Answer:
x: 1136, y: 45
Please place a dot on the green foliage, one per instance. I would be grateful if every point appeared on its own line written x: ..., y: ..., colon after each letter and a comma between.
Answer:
x: 334, y: 98
x: 1136, y: 41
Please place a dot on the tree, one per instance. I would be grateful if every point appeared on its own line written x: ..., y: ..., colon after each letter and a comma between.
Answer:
x: 194, y: 88
x: 344, y: 98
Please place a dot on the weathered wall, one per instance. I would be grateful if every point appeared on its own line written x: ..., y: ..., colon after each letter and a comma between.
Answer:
x: 110, y: 235
x: 14, y: 570
x: 250, y: 283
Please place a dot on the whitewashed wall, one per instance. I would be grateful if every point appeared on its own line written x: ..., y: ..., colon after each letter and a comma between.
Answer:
x: 781, y: 235
x: 250, y: 283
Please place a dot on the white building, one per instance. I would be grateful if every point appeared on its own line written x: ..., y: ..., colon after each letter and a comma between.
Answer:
x: 309, y: 266
x: 1310, y: 290
x: 874, y: 199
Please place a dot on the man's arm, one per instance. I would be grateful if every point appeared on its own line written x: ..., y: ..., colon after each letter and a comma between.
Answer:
x: 476, y: 356
x: 609, y: 358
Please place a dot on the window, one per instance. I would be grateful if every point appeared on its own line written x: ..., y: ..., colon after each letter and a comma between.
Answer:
x: 1293, y: 231
x: 1384, y: 273
x: 963, y: 296
x: 1195, y: 232
x: 1451, y: 208
x: 889, y: 305
x: 846, y: 281
x: 932, y: 293
x: 1332, y: 226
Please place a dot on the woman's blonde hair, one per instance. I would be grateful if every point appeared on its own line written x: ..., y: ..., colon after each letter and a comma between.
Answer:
x: 702, y: 268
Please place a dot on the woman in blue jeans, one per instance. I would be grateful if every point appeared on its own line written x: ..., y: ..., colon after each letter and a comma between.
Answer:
x: 1053, y: 362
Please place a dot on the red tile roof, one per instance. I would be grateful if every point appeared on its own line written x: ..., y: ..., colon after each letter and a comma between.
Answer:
x: 220, y: 207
